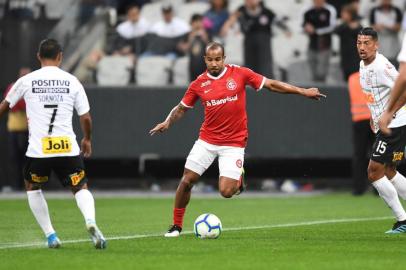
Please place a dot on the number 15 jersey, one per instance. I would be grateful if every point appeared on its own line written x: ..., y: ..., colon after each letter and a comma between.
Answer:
x: 50, y: 95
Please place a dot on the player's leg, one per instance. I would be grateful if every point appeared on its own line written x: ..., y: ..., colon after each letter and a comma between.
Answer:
x: 383, y: 152
x: 397, y: 179
x: 231, y: 161
x: 36, y: 172
x: 200, y: 158
x: 71, y: 172
x: 85, y: 202
x: 376, y: 174
x: 182, y: 198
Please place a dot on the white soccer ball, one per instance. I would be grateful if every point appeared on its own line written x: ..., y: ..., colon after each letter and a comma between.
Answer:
x: 207, y: 226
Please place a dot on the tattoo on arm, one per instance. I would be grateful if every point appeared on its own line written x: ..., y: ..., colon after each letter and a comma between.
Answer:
x: 176, y: 114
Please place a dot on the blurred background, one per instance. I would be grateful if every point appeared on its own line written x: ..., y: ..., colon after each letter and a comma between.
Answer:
x: 136, y: 59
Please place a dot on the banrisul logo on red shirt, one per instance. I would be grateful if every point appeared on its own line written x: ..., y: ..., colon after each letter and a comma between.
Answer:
x: 231, y: 84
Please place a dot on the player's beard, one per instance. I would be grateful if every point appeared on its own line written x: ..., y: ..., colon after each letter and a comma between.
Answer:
x: 215, y: 73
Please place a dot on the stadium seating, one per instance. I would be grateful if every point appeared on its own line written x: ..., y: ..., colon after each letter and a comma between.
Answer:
x: 188, y: 9
x: 180, y: 71
x: 114, y: 70
x: 153, y: 71
x: 55, y: 9
x: 152, y: 12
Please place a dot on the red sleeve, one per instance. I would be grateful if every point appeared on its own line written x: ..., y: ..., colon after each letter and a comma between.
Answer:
x: 253, y: 79
x: 190, y: 97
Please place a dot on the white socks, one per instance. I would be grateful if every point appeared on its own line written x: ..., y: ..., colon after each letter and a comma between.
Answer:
x: 399, y: 182
x: 85, y: 203
x: 39, y: 208
x: 388, y: 193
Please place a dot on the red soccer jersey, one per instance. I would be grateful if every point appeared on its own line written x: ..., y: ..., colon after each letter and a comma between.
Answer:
x: 223, y: 98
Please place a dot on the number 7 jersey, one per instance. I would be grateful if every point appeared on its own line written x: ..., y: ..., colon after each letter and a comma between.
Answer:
x: 51, y: 95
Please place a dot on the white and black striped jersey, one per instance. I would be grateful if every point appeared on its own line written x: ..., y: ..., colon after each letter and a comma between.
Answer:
x: 377, y: 80
x: 51, y: 95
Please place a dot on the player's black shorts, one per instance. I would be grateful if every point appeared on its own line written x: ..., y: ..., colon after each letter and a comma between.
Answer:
x: 389, y: 149
x: 70, y: 170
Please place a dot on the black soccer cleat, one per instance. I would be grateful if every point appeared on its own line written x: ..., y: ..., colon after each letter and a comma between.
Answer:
x: 174, y: 231
x: 398, y: 227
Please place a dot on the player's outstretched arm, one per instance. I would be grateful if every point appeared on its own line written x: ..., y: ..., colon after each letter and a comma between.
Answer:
x: 4, y: 106
x: 285, y: 88
x: 176, y: 113
x: 86, y: 143
x: 397, y: 100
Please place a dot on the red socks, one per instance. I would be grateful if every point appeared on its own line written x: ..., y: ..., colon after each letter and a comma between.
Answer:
x: 178, y: 214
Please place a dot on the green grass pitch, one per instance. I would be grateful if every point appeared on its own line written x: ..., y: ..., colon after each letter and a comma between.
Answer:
x: 333, y: 231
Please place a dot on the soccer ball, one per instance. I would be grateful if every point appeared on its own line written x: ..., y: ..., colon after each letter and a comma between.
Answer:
x: 207, y: 226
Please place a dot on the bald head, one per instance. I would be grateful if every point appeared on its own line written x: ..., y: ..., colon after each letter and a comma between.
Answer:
x: 213, y: 46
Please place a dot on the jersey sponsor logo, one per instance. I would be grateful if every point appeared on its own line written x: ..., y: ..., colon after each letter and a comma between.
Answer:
x: 77, y: 177
x: 397, y: 156
x: 369, y: 97
x: 52, y: 83
x: 38, y: 179
x: 238, y: 163
x: 231, y: 84
x: 206, y: 83
x: 43, y: 90
x: 56, y: 145
x: 215, y: 102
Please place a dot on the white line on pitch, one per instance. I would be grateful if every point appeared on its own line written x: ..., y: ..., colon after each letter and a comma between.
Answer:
x: 138, y: 236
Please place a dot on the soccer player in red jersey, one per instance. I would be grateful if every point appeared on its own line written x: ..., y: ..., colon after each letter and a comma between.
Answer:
x: 224, y: 133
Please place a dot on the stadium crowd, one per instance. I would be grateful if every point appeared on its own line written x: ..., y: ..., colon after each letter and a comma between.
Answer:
x: 268, y: 36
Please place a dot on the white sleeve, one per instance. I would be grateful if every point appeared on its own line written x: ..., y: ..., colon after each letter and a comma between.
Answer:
x: 81, y: 102
x: 16, y: 92
x: 388, y: 74
x: 402, y: 53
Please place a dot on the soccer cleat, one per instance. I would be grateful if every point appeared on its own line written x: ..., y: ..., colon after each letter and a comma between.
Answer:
x: 174, y: 231
x: 53, y: 241
x: 243, y: 185
x: 96, y: 235
x: 398, y: 227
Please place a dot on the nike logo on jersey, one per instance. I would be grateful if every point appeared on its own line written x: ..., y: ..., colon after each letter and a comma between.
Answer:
x: 374, y: 155
x: 206, y: 91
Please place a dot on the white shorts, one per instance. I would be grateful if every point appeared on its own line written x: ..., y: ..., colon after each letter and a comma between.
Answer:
x: 230, y: 158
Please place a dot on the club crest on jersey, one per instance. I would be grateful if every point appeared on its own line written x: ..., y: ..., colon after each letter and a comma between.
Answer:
x: 263, y: 20
x: 231, y: 84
